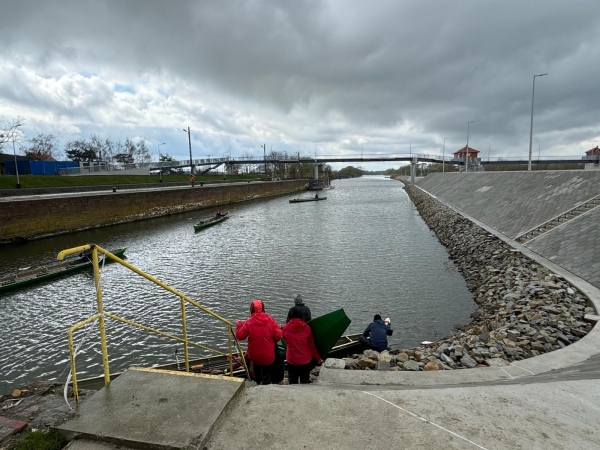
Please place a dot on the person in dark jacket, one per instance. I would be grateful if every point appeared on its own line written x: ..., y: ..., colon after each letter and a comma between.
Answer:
x: 306, y: 316
x: 300, y: 347
x: 375, y: 335
x: 262, y: 332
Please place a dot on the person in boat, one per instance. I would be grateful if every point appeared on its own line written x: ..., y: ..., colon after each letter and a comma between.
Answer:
x: 218, y: 215
x: 375, y: 335
x: 300, y: 348
x: 306, y: 316
x: 316, y: 195
x: 262, y: 332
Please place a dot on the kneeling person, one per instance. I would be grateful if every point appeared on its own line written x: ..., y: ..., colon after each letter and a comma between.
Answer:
x: 300, y: 347
x: 375, y: 335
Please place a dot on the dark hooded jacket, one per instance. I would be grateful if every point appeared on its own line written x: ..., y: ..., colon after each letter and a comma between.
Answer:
x: 306, y: 316
x: 378, y: 334
x: 262, y: 332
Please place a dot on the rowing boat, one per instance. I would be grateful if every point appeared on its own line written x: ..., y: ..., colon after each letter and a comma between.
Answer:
x: 210, y: 222
x: 311, y: 199
x: 219, y: 365
x: 28, y: 276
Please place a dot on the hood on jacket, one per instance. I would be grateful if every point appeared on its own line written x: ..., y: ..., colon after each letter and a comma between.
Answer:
x: 296, y: 325
x: 298, y: 300
x: 257, y: 306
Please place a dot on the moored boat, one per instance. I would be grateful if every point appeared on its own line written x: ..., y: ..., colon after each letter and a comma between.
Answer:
x: 29, y: 276
x: 311, y: 199
x: 212, y: 221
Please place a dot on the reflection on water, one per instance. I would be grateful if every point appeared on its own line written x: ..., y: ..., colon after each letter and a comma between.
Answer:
x: 365, y: 249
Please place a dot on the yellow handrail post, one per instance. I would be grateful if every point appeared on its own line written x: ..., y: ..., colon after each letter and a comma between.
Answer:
x: 101, y: 312
x: 73, y: 371
x: 230, y: 351
x: 185, y: 339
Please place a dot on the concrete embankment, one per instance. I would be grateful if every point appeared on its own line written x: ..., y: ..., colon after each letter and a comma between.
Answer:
x: 563, y: 207
x: 26, y: 218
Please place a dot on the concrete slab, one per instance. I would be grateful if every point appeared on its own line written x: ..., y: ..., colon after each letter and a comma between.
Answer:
x: 520, y: 416
x: 93, y: 445
x: 145, y: 408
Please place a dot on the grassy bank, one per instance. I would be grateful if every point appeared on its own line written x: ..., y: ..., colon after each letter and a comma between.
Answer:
x: 46, y: 181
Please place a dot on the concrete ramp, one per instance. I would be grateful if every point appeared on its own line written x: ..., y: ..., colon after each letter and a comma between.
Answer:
x: 152, y: 409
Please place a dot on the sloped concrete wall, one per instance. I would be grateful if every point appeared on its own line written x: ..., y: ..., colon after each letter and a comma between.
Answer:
x: 574, y: 246
x: 513, y: 202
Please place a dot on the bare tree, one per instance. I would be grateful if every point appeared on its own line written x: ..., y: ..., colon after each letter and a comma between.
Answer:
x: 43, y: 146
x: 8, y: 129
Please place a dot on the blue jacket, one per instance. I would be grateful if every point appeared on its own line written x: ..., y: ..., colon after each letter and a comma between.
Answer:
x: 378, y: 331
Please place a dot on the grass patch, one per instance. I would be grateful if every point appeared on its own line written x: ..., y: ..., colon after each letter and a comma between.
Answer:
x: 41, y: 440
x: 46, y: 181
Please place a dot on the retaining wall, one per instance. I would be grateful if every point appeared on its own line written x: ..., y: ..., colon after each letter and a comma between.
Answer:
x: 32, y: 218
x: 515, y: 202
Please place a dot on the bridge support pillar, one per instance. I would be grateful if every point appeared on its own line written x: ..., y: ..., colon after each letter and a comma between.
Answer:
x: 413, y: 170
x: 229, y: 168
x: 316, y: 171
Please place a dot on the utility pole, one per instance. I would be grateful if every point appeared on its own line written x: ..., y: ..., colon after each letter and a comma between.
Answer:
x: 264, y: 146
x: 444, y: 155
x: 190, y: 144
x: 467, y: 152
x: 531, y: 126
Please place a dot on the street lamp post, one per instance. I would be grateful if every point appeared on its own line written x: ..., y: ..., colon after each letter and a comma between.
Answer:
x: 264, y: 147
x: 531, y: 127
x: 444, y: 155
x: 190, y: 143
x: 159, y: 168
x: 15, y: 155
x: 467, y: 152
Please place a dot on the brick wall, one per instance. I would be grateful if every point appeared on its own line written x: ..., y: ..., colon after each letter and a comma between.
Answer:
x: 39, y: 217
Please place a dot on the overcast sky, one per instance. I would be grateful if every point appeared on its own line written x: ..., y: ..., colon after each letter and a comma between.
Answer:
x: 338, y: 75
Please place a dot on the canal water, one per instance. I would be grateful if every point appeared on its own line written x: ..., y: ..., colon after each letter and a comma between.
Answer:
x: 364, y: 249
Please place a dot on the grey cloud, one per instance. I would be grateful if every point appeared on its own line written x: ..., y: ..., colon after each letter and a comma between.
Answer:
x: 375, y: 67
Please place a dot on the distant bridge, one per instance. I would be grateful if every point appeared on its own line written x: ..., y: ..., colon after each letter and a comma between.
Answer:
x: 409, y: 157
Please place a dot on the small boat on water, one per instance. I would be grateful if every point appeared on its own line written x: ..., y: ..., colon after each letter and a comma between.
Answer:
x: 28, y: 276
x: 212, y: 221
x: 311, y: 199
x: 327, y: 331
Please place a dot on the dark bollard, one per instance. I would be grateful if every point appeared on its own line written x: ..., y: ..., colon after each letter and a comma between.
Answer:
x: 202, y: 183
x: 18, y: 185
x: 114, y: 189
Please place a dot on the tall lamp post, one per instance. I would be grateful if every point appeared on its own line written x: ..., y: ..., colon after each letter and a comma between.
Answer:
x: 444, y: 155
x: 190, y: 142
x: 467, y: 152
x: 531, y: 127
x: 264, y: 147
x: 159, y: 168
x: 15, y: 155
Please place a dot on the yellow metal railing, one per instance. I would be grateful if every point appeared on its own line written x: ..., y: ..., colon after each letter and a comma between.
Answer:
x: 101, y: 315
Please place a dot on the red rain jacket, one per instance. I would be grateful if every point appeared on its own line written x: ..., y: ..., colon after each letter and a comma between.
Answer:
x: 262, y: 332
x: 300, y: 343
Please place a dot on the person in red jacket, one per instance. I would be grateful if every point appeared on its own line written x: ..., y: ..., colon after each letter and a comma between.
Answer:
x: 300, y: 347
x: 262, y: 332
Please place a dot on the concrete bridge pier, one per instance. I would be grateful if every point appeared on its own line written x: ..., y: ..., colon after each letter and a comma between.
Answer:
x: 413, y: 169
x: 229, y: 168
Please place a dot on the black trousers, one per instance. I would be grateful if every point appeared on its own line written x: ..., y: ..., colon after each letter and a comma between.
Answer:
x: 365, y: 341
x: 262, y: 374
x: 302, y: 372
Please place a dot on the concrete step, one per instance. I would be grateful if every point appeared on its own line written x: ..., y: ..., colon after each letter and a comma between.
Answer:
x: 151, y: 409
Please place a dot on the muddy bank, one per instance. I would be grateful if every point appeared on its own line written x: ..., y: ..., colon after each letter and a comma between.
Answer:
x: 523, y: 309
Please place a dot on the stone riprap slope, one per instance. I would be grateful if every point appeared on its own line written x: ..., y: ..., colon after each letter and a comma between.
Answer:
x: 513, y: 202
x: 523, y: 309
x: 574, y: 246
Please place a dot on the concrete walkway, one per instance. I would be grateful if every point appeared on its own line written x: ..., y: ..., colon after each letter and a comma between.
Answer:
x: 557, y: 415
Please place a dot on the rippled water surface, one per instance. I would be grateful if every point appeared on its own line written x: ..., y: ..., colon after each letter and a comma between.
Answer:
x: 364, y: 249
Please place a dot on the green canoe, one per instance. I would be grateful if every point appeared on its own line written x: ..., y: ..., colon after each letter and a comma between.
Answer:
x: 29, y: 276
x: 311, y: 199
x: 328, y: 329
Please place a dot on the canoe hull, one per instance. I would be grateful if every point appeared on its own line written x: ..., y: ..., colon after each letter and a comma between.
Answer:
x: 202, y: 226
x: 61, y: 270
x: 302, y: 200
